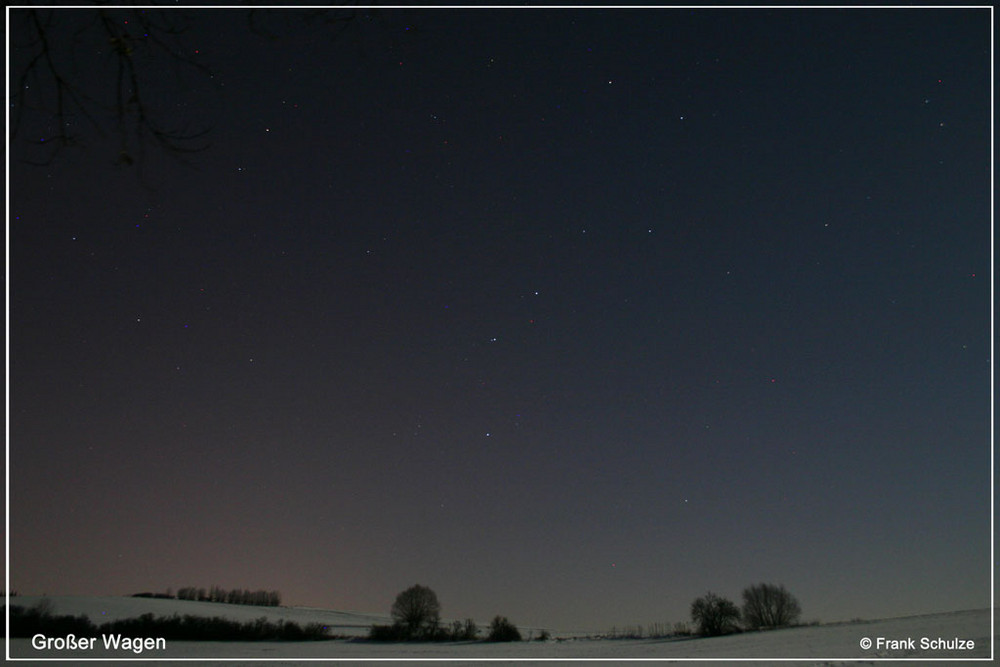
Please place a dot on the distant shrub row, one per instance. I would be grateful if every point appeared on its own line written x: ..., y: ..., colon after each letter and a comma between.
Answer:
x: 651, y: 631
x: 458, y: 631
x: 219, y: 594
x: 500, y: 630
x: 39, y: 620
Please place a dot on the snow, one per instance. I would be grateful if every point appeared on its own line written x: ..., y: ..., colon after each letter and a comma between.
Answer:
x: 827, y: 645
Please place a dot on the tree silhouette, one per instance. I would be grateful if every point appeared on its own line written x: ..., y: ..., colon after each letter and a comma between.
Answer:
x: 769, y: 606
x: 714, y: 615
x: 417, y: 611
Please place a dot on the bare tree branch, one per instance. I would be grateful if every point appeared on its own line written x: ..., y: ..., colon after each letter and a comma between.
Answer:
x: 46, y: 84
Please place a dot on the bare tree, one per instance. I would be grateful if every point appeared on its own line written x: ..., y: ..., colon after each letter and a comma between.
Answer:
x: 417, y: 611
x: 769, y: 606
x: 714, y: 615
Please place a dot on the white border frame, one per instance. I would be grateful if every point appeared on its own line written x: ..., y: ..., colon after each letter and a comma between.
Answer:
x: 568, y: 659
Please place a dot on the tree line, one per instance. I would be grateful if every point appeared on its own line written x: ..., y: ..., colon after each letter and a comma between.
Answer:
x: 259, y: 598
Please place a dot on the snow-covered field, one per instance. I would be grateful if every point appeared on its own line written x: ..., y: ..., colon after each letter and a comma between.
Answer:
x: 922, y: 637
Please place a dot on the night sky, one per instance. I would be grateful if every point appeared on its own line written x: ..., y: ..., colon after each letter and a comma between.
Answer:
x: 571, y: 315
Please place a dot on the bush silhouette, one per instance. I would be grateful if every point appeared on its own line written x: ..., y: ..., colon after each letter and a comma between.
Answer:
x: 28, y: 622
x: 466, y: 631
x: 418, y: 612
x: 681, y: 629
x: 502, y: 630
x: 714, y: 615
x: 40, y: 620
x: 769, y: 606
x: 387, y: 633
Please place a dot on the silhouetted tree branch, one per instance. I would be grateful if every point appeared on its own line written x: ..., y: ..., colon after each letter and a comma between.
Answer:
x: 59, y: 58
x: 103, y: 67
